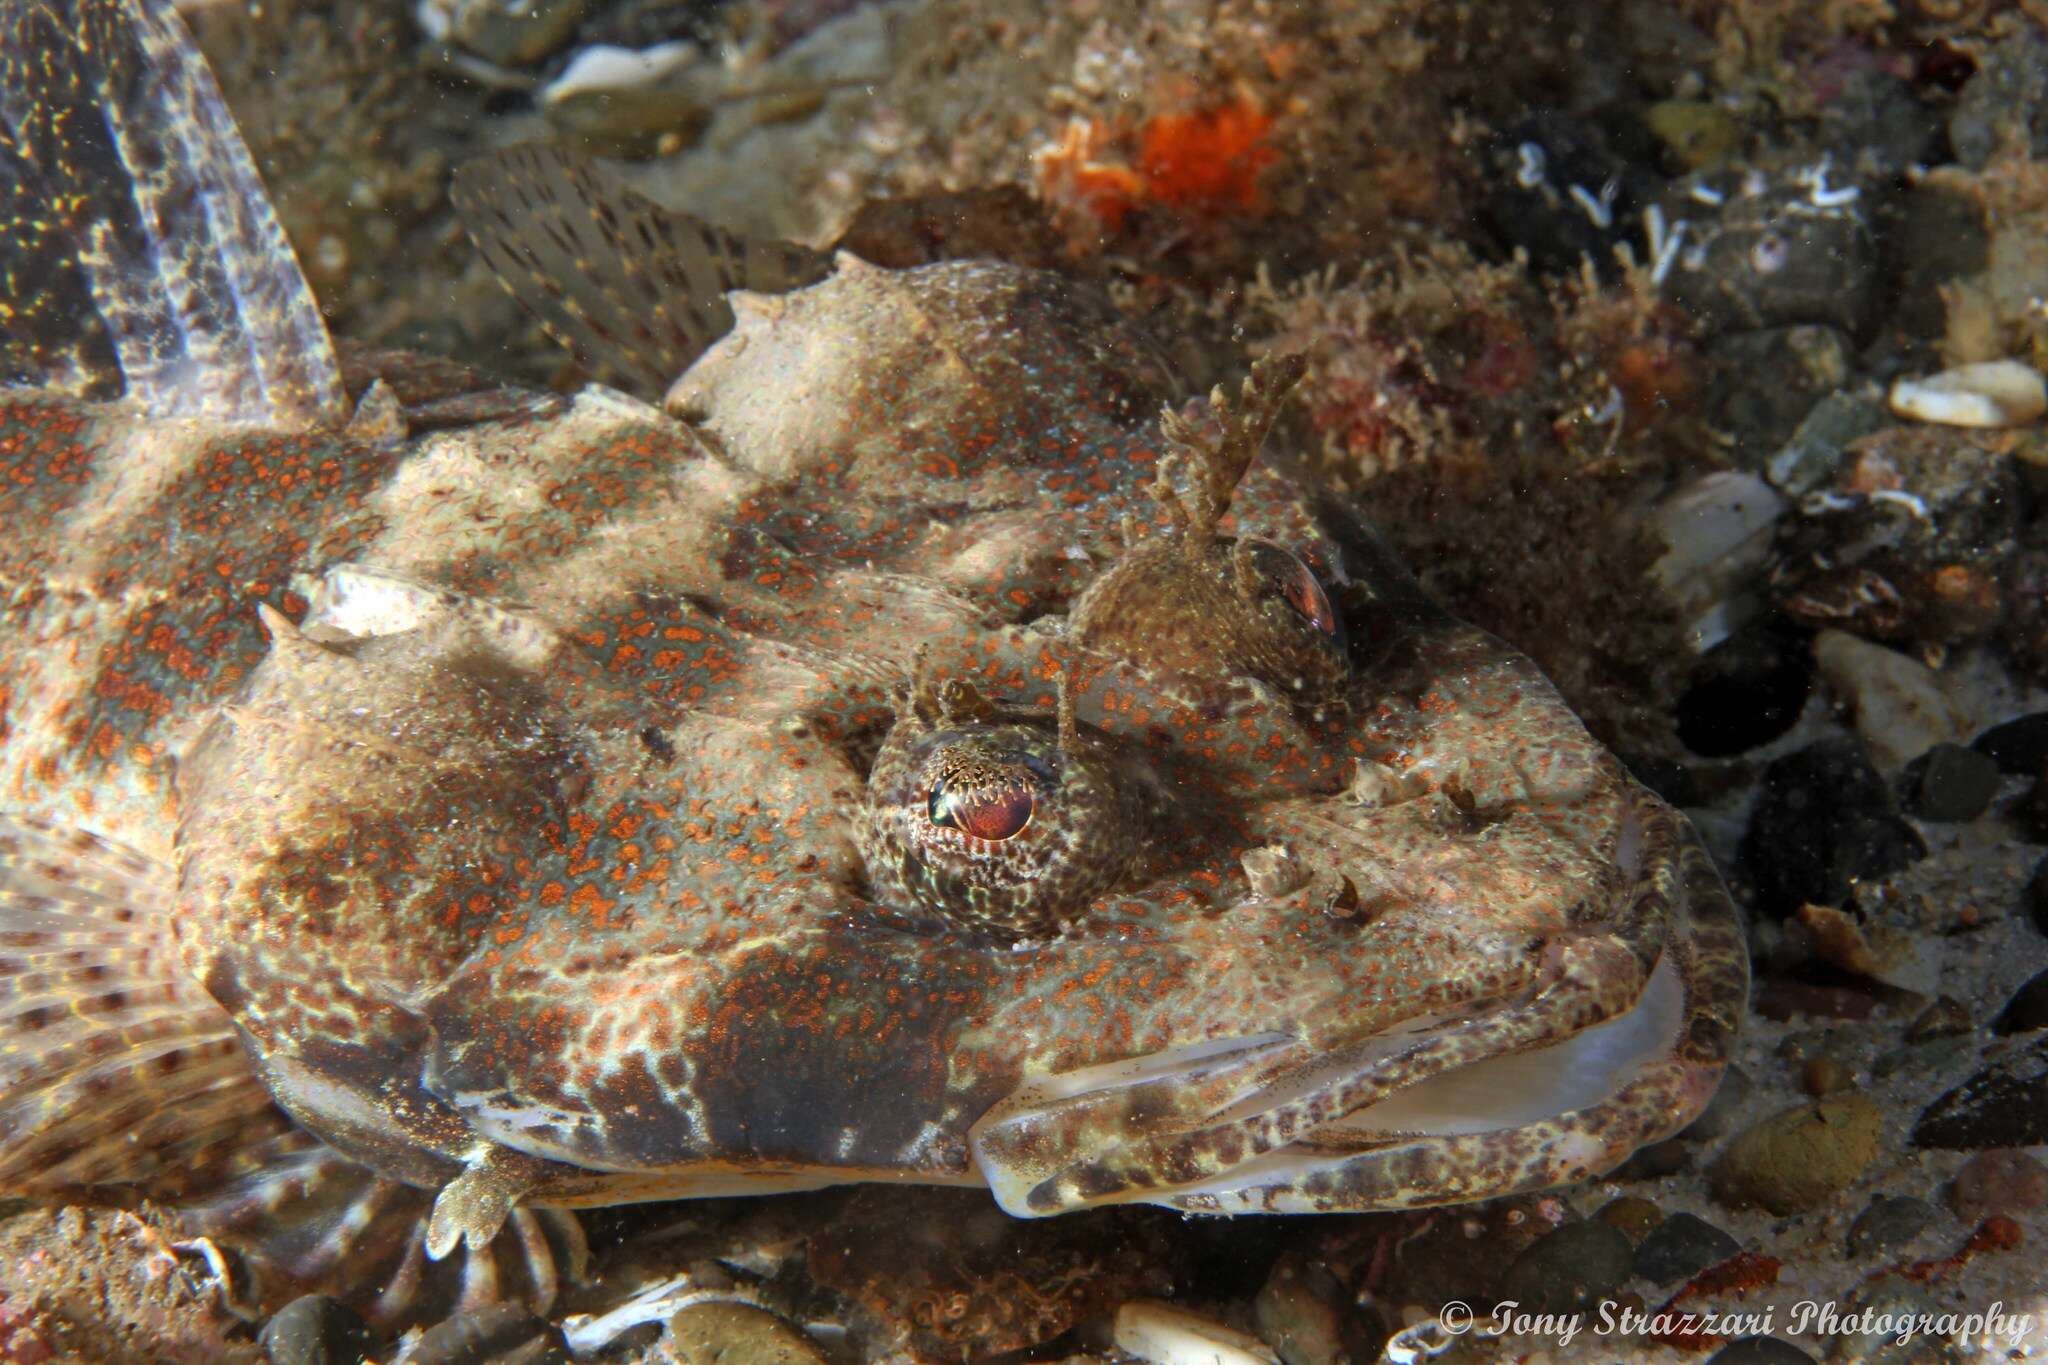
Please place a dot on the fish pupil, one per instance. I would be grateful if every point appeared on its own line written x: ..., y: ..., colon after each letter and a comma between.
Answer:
x: 994, y: 813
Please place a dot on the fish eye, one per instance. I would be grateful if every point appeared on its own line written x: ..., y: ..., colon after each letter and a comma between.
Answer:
x: 1301, y: 589
x: 990, y: 810
x: 996, y: 827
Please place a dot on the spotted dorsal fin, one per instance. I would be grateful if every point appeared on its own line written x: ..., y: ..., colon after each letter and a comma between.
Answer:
x: 138, y: 250
x: 635, y: 291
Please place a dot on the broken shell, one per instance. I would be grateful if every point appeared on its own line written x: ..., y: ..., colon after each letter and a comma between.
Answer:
x: 1718, y: 532
x: 1994, y: 393
x: 1165, y: 1335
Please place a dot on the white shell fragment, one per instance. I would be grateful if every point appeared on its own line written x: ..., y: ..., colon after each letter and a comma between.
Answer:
x: 1164, y: 1335
x: 1994, y: 393
x: 601, y: 69
x: 1718, y: 532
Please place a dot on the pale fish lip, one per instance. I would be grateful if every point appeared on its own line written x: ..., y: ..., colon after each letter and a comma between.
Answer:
x: 1492, y: 1096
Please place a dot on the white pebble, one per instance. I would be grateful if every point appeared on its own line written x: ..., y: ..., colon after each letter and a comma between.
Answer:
x: 1994, y: 393
x: 1164, y: 1335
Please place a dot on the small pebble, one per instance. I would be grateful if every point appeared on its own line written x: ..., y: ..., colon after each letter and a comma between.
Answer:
x: 1945, y: 1018
x: 1899, y: 1299
x: 501, y: 1334
x: 2000, y: 1180
x: 1824, y: 821
x: 2027, y: 1010
x: 727, y: 1333
x: 1681, y: 1247
x: 316, y: 1330
x: 1799, y: 1159
x: 1824, y: 1075
x: 2003, y: 1105
x: 1304, y: 1313
x: 1571, y: 1269
x: 1991, y: 393
x: 1891, y: 1221
x: 1635, y: 1217
x: 1759, y: 1351
x: 1951, y: 784
x: 1900, y: 707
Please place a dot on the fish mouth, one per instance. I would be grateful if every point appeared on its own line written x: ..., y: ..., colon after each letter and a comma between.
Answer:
x: 1496, y: 1099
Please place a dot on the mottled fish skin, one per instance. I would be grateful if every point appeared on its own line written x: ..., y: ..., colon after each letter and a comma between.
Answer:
x: 508, y: 786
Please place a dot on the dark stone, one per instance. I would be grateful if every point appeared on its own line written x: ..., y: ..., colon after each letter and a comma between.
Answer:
x: 501, y: 1334
x: 1767, y: 257
x: 1681, y: 1247
x: 2019, y: 746
x: 2027, y: 1010
x: 1759, y: 1351
x: 1746, y: 691
x: 1891, y: 1221
x: 2037, y: 896
x: 1807, y: 362
x: 1950, y: 784
x: 1570, y: 1270
x: 1823, y: 822
x: 316, y: 1330
x: 1530, y: 204
x: 2004, y: 1105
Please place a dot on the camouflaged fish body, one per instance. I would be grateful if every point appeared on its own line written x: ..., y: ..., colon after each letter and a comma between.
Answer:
x: 923, y: 763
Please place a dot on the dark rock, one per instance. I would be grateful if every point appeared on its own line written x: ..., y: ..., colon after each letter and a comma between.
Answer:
x: 1558, y: 191
x: 1807, y: 360
x: 721, y: 1333
x: 2027, y: 1010
x: 1304, y: 1313
x: 316, y: 1330
x: 1945, y: 1018
x: 1779, y: 248
x: 2001, y: 1180
x: 2019, y: 746
x: 2004, y: 1105
x: 1571, y: 1269
x: 1809, y: 459
x: 1655, y: 1161
x: 2037, y: 896
x: 1889, y: 1223
x: 1928, y: 239
x: 2009, y: 91
x: 1746, y: 691
x: 1950, y: 783
x: 501, y: 1334
x: 1759, y: 1351
x: 1823, y: 822
x: 1680, y: 1248
x: 1936, y: 1054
